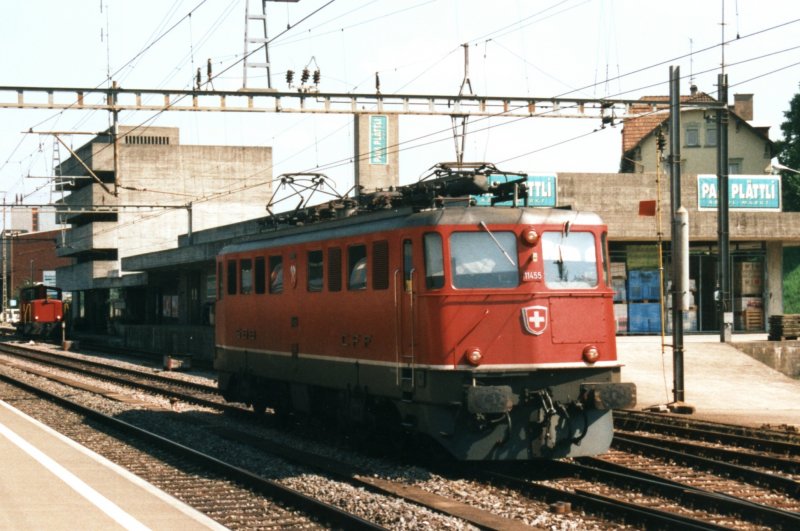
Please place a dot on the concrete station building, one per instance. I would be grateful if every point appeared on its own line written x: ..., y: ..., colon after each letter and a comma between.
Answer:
x: 164, y: 284
x: 136, y: 199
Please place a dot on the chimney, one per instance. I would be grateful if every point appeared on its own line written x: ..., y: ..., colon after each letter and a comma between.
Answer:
x: 693, y: 89
x: 743, y: 106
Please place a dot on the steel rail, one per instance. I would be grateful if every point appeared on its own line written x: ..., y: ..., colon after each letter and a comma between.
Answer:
x: 722, y: 454
x: 66, y: 365
x: 267, y: 487
x: 594, y: 467
x: 775, y: 442
x: 786, y: 485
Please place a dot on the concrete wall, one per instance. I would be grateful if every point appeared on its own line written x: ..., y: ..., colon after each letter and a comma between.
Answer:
x: 197, y: 341
x: 225, y: 185
x: 783, y: 356
x: 773, y: 280
x: 616, y: 196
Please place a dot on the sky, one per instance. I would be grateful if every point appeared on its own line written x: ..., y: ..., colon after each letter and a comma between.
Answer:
x: 534, y: 48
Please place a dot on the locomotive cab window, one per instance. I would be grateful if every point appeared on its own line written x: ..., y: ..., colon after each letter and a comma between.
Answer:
x: 484, y: 260
x: 434, y: 261
x: 570, y: 260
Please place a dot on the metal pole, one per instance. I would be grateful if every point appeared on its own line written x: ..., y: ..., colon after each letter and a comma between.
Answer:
x: 115, y: 133
x: 723, y: 206
x: 675, y: 204
x: 5, y: 261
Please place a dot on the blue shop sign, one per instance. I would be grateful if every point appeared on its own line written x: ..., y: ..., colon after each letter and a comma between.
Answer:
x: 541, y: 190
x: 745, y: 192
x: 378, y: 139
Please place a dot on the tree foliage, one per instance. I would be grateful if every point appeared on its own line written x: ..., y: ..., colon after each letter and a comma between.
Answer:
x: 789, y: 155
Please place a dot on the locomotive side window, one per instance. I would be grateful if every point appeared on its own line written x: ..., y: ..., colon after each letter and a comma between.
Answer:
x: 604, y: 243
x: 570, y: 260
x: 380, y: 265
x: 219, y: 280
x: 484, y: 260
x: 335, y: 269
x: 357, y: 267
x: 434, y: 261
x: 408, y: 263
x: 260, y: 275
x: 315, y: 271
x: 246, y: 275
x: 231, y: 277
x: 275, y: 274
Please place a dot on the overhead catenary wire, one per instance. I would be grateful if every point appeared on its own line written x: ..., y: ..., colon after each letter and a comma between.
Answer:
x: 618, y: 77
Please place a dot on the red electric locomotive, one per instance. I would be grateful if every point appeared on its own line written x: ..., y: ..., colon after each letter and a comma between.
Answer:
x: 42, y: 311
x: 489, y: 329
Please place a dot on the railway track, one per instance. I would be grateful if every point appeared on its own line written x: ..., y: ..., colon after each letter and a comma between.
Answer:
x: 233, y: 496
x: 168, y: 385
x: 665, y: 493
x: 479, y: 518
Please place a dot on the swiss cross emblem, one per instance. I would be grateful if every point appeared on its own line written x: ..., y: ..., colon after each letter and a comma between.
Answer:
x: 535, y: 319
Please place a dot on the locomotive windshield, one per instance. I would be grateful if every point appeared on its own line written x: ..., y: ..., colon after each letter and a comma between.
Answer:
x: 484, y: 260
x: 570, y: 260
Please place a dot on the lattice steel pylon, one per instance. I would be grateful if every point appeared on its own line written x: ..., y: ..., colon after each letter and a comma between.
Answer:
x: 253, y: 44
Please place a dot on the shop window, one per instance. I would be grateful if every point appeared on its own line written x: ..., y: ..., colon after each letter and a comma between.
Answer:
x: 276, y: 274
x: 335, y: 269
x: 357, y: 267
x: 315, y: 271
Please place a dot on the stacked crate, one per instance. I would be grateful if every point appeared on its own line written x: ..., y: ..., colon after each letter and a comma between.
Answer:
x: 748, y: 306
x: 784, y: 327
x: 644, y: 302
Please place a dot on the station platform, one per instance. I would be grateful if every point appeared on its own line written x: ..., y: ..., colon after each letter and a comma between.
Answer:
x: 722, y: 383
x: 50, y: 482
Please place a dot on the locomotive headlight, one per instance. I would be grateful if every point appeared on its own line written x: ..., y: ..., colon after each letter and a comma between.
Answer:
x: 590, y: 354
x: 530, y: 236
x: 474, y: 356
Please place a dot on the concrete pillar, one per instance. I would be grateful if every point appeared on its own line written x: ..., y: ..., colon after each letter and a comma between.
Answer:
x: 773, y: 280
x: 376, y: 151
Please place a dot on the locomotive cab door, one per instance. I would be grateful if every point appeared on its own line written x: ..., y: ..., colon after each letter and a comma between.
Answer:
x: 405, y: 330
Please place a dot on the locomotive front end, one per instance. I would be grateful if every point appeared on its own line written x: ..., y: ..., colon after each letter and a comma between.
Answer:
x: 528, y: 322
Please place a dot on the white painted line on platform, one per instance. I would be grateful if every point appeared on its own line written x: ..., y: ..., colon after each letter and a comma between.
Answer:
x: 98, y: 500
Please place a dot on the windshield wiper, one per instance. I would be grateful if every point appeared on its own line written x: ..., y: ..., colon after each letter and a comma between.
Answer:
x: 484, y: 227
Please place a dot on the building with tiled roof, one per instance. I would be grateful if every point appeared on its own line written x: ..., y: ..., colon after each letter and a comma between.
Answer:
x: 749, y: 146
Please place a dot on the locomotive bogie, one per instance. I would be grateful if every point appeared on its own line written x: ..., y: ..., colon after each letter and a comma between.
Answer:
x: 490, y: 330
